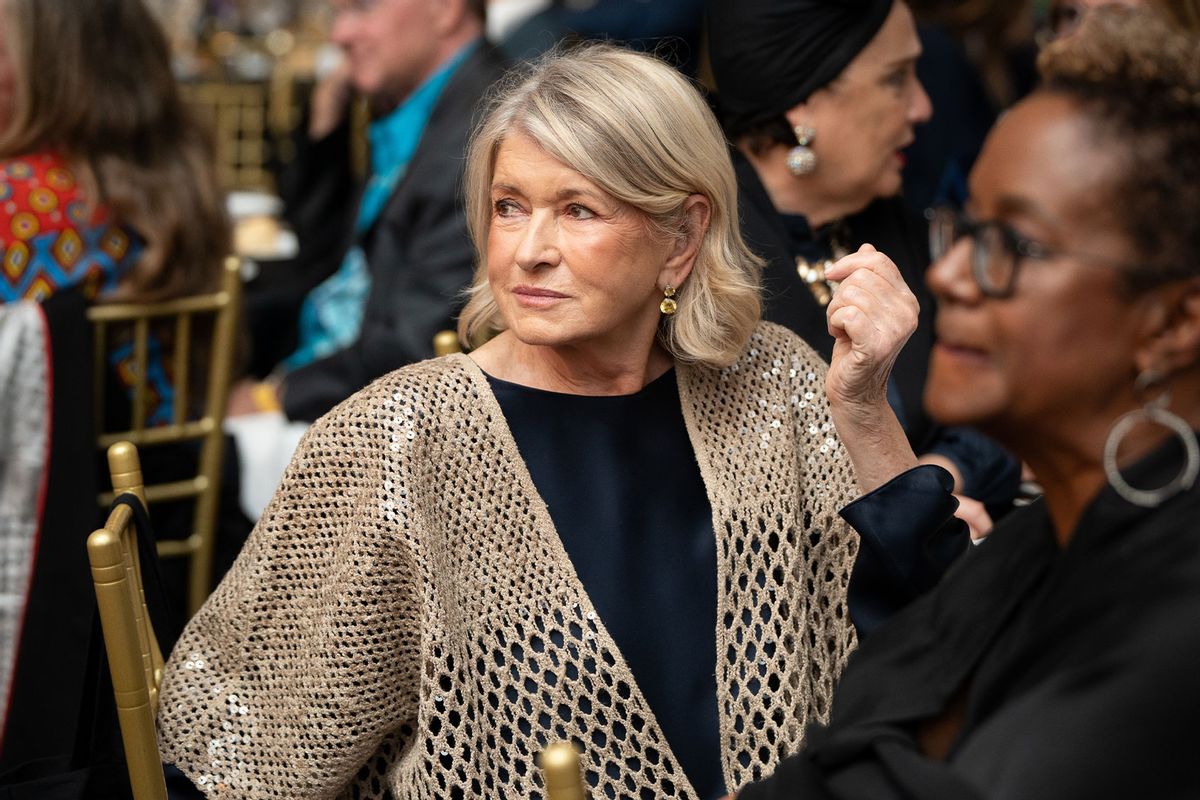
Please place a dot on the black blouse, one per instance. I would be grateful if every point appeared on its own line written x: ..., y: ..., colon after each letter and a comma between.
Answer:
x: 620, y: 480
x: 1077, y: 669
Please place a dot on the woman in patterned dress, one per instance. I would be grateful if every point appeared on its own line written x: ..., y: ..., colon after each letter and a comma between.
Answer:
x: 105, y: 182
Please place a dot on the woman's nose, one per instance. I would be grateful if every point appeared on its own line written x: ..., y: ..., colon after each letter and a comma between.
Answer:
x: 920, y: 110
x: 539, y: 244
x: 950, y: 278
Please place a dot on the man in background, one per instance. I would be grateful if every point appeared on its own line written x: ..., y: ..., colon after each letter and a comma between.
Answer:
x: 394, y: 248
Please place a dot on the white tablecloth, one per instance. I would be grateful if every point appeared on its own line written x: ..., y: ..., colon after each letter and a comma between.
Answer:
x: 265, y: 443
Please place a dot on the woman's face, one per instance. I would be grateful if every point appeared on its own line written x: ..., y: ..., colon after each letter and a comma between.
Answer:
x: 568, y: 264
x: 1058, y: 353
x: 865, y: 118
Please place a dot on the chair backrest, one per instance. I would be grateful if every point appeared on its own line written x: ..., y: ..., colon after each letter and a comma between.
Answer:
x: 189, y: 420
x: 237, y: 114
x: 134, y: 658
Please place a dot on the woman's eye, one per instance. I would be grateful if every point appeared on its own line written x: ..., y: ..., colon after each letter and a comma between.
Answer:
x: 577, y: 211
x: 504, y: 208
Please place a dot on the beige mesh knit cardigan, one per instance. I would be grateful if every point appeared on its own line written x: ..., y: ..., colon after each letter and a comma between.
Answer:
x: 407, y: 577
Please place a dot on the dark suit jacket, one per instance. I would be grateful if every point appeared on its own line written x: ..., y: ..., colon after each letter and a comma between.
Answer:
x: 418, y: 252
x: 990, y: 473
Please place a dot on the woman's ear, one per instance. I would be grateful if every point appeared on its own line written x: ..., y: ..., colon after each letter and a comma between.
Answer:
x: 799, y: 114
x: 1172, y: 340
x: 815, y: 111
x: 697, y: 215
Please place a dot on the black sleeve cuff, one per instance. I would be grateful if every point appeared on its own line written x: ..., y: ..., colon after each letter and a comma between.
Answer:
x: 909, y: 537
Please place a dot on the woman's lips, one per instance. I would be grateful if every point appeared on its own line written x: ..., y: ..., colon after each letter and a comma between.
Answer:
x: 537, y: 297
x: 959, y: 351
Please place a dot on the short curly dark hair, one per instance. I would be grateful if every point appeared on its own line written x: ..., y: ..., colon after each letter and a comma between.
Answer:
x: 1138, y: 79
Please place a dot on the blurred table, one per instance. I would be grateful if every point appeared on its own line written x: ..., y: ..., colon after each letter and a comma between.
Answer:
x: 259, y: 232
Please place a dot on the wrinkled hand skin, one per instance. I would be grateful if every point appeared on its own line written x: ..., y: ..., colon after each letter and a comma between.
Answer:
x: 871, y: 316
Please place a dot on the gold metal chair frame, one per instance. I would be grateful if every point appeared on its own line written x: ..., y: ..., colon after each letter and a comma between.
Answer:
x: 134, y: 658
x: 560, y: 772
x: 224, y: 305
x: 446, y: 343
x: 238, y: 115
x: 136, y: 663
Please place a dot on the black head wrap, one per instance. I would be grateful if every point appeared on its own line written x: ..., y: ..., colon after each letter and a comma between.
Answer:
x: 770, y: 55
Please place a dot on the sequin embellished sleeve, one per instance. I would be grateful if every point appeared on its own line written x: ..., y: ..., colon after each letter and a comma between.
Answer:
x: 304, y: 663
x: 767, y: 446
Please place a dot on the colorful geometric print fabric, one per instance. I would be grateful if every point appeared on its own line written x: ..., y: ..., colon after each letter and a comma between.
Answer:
x: 50, y: 242
x: 160, y: 385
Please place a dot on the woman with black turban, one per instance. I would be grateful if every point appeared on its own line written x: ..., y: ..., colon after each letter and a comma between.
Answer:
x: 820, y: 98
x: 1058, y: 660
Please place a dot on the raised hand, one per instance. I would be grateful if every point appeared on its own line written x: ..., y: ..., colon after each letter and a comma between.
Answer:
x: 870, y: 317
x: 330, y: 100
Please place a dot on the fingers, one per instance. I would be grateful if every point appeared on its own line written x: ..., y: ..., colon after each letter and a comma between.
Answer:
x: 329, y: 101
x: 869, y: 259
x: 868, y: 306
x: 871, y: 316
x: 974, y: 513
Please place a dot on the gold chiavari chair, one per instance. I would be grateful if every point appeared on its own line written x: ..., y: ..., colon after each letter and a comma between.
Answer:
x: 445, y: 343
x: 560, y: 772
x: 237, y: 114
x: 134, y: 658
x: 191, y: 421
x: 289, y: 89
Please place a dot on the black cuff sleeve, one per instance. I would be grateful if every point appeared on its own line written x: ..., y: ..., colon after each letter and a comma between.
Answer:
x: 909, y: 537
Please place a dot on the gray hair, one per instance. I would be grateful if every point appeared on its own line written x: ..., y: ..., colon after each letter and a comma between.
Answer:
x: 641, y: 132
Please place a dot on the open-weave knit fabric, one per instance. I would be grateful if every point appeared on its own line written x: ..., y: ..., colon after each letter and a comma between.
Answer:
x: 404, y: 619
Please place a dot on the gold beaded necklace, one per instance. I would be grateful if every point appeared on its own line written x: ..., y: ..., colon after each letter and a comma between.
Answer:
x: 813, y: 272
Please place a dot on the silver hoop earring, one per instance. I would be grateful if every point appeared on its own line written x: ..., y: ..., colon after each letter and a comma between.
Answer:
x: 1153, y: 411
x: 801, y: 159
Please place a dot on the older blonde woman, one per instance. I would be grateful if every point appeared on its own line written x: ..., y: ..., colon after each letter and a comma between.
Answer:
x: 618, y: 512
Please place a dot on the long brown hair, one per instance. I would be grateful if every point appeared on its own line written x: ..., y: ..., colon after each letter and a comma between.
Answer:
x: 93, y: 82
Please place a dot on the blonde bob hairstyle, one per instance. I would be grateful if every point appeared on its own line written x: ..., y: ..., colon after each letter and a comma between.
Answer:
x: 640, y: 131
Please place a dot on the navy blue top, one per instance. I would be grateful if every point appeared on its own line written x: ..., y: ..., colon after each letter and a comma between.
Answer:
x: 620, y: 479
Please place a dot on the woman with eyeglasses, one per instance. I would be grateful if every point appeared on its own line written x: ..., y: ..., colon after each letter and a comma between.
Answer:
x: 1061, y: 658
x: 820, y: 98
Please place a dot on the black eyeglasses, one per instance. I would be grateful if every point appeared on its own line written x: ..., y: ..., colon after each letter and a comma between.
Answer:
x: 997, y: 249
